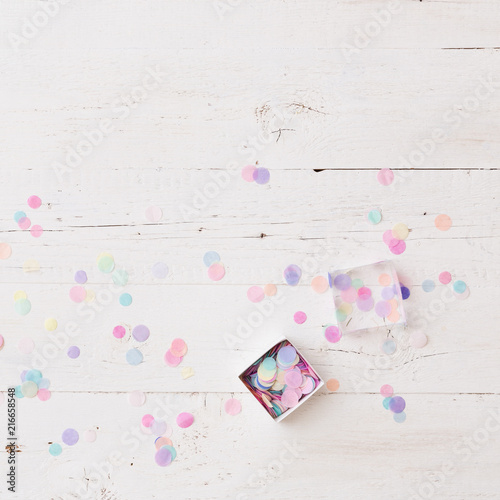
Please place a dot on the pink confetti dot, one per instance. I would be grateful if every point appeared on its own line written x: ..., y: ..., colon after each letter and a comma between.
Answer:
x: 397, y: 247
x: 232, y: 406
x: 255, y: 294
x: 24, y: 223
x: 418, y: 340
x: 385, y: 176
x: 300, y: 317
x: 319, y: 284
x: 185, y: 420
x: 332, y: 334
x: 77, y: 294
x: 216, y: 271
x: 147, y: 420
x: 178, y: 348
x: 445, y: 277
x: 387, y: 391
x: 36, y: 231
x: 172, y: 360
x: 247, y: 172
x: 34, y: 201
x: 44, y: 394
x: 119, y: 332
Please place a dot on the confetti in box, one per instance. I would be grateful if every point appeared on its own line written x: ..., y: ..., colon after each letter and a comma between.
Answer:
x: 367, y: 297
x: 281, y: 380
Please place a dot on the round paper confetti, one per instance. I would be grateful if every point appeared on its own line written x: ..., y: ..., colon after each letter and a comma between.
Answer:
x: 261, y: 175
x: 20, y: 294
x: 442, y: 222
x: 332, y: 334
x: 397, y: 404
x: 31, y: 266
x: 172, y: 360
x: 383, y: 308
x: 163, y: 457
x: 162, y: 441
x: 158, y: 427
x: 463, y: 295
x: 136, y: 398
x: 125, y: 299
x: 418, y: 340
x: 24, y: 223
x: 289, y: 398
x: 140, y: 333
x: 385, y: 176
x: 73, y: 352
x: 399, y: 417
x: 270, y: 290
x: 185, y: 420
x: 44, y: 394
x: 26, y: 345
x: 400, y: 231
x: 247, y: 172
x: 154, y: 214
x: 147, y: 420
x: 292, y: 274
x: 216, y: 271
x: 210, y: 258
x: 90, y: 436
x: 29, y: 389
x: 160, y: 270
x: 255, y: 294
x: 33, y: 375
x: 178, y: 347
x: 105, y: 262
x: 444, y: 277
x: 44, y: 383
x: 81, y: 277
x: 332, y: 384
x: 342, y: 281
x: 300, y: 317
x: 232, y: 406
x: 459, y: 286
x: 386, y: 390
x: 428, y: 286
x: 5, y: 251
x: 19, y: 215
x: 134, y: 357
x: 2, y: 341
x: 405, y: 292
x: 70, y: 437
x: 77, y: 294
x: 34, y: 202
x: 50, y: 324
x: 55, y: 449
x: 90, y: 296
x: 374, y: 216
x: 120, y: 277
x: 36, y: 231
x: 319, y: 284
x: 389, y: 347
x: 119, y: 331
x: 397, y: 247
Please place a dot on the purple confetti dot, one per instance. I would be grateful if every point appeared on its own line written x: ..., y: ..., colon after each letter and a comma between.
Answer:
x: 365, y: 305
x: 140, y: 333
x: 73, y: 352
x: 383, y: 309
x: 405, y: 292
x: 292, y: 274
x: 70, y: 437
x: 387, y: 293
x: 397, y: 404
x: 261, y: 175
x: 160, y: 270
x: 342, y: 281
x: 81, y: 277
x: 163, y: 457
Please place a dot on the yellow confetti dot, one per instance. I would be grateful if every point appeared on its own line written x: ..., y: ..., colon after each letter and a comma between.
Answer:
x: 50, y: 324
x: 20, y: 295
x: 31, y: 266
x: 400, y: 231
x: 90, y: 297
x: 187, y: 372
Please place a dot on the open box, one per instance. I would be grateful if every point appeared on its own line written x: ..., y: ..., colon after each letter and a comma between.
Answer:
x: 250, y: 371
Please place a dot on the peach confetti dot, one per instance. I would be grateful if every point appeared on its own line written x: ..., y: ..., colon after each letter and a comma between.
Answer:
x: 319, y: 284
x: 443, y: 222
x: 270, y: 290
x: 332, y: 385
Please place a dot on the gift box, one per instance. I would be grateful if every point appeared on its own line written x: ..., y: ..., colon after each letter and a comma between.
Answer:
x: 367, y: 297
x: 281, y: 379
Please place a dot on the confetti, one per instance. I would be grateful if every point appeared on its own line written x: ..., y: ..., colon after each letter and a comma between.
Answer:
x: 90, y: 436
x: 232, y: 406
x: 418, y: 340
x: 385, y: 176
x: 386, y: 390
x: 24, y: 223
x: 332, y: 385
x: 70, y: 437
x: 29, y: 389
x: 159, y: 270
x: 428, y: 286
x: 332, y: 334
x: 22, y: 306
x: 34, y: 202
x: 400, y: 231
x: 399, y: 417
x: 125, y: 299
x: 50, y: 324
x: 119, y: 331
x: 210, y: 258
x: 73, y: 352
x: 178, y: 348
x: 184, y: 420
x: 105, y: 262
x: 147, y: 420
x: 77, y: 294
x: 55, y: 449
x: 44, y: 394
x: 31, y: 266
x: 216, y: 271
x: 300, y: 317
x: 36, y: 231
x: 120, y: 277
x: 459, y: 286
x: 442, y: 222
x: 374, y: 216
x: 19, y: 215
x: 319, y: 284
x: 2, y: 342
x: 261, y: 175
x: 134, y: 357
x: 5, y: 251
x: 163, y: 457
x: 187, y: 372
x: 270, y: 290
x: 292, y: 274
x: 405, y: 292
x: 445, y: 277
x: 389, y: 347
x: 154, y: 213
x: 247, y: 172
x: 255, y: 294
x: 136, y: 398
x: 397, y: 404
x: 140, y: 333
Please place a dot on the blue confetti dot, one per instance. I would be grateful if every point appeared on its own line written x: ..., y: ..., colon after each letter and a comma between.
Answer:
x: 34, y: 376
x: 19, y: 393
x: 134, y: 357
x: 211, y: 258
x: 55, y: 449
x: 428, y: 286
x: 385, y: 403
x: 374, y: 216
x: 459, y: 286
x: 389, y: 347
x: 399, y: 417
x: 19, y: 215
x: 125, y: 299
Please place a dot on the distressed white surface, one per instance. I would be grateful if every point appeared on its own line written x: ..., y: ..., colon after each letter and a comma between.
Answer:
x: 227, y: 82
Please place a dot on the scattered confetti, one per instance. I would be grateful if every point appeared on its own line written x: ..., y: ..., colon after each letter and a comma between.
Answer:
x: 319, y: 284
x: 232, y: 406
x: 163, y: 456
x: 77, y: 294
x: 73, y: 352
x: 2, y: 342
x: 255, y: 294
x: 399, y: 417
x: 125, y: 299
x: 105, y: 262
x: 428, y: 285
x: 385, y: 176
x: 70, y: 437
x: 397, y: 404
x: 36, y: 231
x: 134, y: 357
x: 332, y: 334
x: 90, y: 436
x: 136, y: 398
x: 50, y: 324
x: 120, y: 277
x: 386, y: 390
x: 247, y: 172
x: 332, y: 385
x: 216, y: 271
x: 445, y: 277
x: 5, y: 251
x: 389, y: 347
x: 29, y: 389
x: 159, y: 270
x: 442, y: 222
x: 140, y: 333
x: 405, y: 292
x: 261, y: 175
x: 22, y: 306
x: 19, y: 215
x: 154, y: 213
x: 55, y: 449
x: 459, y: 286
x: 119, y: 331
x: 270, y: 290
x: 186, y: 372
x: 31, y: 266
x: 184, y: 420
x: 34, y: 202
x: 374, y: 216
x: 400, y: 231
x: 210, y: 258
x: 292, y: 274
x: 418, y: 340
x: 300, y: 317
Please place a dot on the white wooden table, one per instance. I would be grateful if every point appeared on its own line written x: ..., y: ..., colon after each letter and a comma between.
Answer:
x: 354, y: 87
